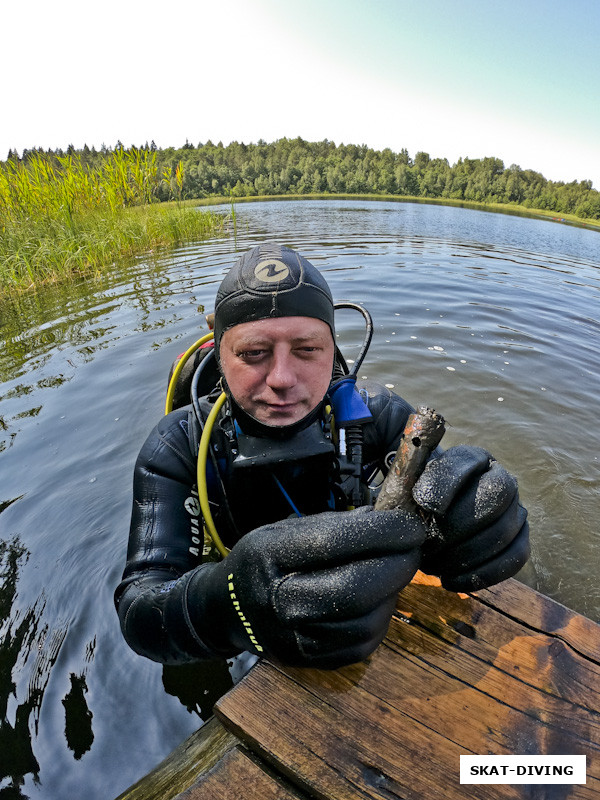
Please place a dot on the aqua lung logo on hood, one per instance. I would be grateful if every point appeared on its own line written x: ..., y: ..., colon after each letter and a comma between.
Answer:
x: 271, y: 270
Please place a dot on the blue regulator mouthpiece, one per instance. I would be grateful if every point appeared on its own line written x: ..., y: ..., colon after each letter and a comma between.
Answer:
x: 348, y: 406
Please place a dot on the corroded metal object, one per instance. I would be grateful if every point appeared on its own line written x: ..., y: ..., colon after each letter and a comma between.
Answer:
x: 422, y: 434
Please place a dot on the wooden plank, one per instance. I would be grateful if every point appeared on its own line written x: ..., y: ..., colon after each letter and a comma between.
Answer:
x: 237, y: 776
x: 578, y: 631
x: 198, y: 754
x: 455, y: 675
x: 545, y: 643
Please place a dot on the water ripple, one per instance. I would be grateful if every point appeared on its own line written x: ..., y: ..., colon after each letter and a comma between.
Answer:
x: 491, y: 319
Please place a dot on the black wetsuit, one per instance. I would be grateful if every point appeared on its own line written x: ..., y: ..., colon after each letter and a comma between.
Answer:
x: 166, y: 539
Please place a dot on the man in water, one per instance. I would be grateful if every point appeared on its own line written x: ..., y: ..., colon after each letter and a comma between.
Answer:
x: 307, y: 579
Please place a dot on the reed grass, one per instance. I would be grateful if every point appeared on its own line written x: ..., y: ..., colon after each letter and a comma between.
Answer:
x: 59, y: 216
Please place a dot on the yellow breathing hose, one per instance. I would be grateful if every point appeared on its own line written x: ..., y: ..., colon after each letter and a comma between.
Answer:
x: 204, y: 442
x: 201, y: 476
x: 180, y: 365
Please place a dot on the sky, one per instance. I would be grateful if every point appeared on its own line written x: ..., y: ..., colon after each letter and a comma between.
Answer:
x: 517, y: 79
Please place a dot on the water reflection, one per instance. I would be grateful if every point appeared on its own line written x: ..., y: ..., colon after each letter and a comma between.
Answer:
x: 20, y: 636
x: 78, y: 717
x: 38, y: 329
x: 8, y: 429
x: 198, y: 686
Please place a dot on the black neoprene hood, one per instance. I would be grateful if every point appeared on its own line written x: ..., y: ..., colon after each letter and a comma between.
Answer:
x: 271, y: 281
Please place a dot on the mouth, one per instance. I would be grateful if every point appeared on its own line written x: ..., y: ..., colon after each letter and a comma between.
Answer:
x: 279, y: 411
x: 282, y: 408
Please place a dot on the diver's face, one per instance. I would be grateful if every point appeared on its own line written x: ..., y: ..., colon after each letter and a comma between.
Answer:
x: 278, y: 370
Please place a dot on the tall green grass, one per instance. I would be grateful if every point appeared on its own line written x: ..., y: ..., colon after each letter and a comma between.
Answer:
x: 60, y: 216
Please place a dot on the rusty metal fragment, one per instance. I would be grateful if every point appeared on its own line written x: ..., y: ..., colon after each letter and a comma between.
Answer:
x: 422, y: 434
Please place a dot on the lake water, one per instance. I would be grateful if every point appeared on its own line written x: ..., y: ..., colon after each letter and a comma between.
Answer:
x: 493, y: 320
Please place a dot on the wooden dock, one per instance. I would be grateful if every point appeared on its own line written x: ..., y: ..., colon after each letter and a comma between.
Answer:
x: 504, y: 671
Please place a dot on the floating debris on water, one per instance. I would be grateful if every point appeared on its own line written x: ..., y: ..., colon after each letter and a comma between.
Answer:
x: 463, y: 361
x: 451, y: 369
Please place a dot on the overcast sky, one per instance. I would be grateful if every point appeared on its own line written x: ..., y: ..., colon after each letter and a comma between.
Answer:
x: 519, y: 79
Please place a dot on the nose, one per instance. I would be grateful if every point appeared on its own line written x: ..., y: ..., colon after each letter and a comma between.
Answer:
x: 281, y: 374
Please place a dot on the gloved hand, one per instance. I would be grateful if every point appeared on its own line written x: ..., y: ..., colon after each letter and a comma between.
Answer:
x: 313, y: 591
x: 479, y: 533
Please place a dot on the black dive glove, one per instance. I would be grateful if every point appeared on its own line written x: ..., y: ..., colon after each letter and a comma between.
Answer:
x: 479, y: 533
x: 313, y: 591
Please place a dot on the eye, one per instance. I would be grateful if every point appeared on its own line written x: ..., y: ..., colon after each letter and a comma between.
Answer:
x: 250, y: 355
x: 307, y: 350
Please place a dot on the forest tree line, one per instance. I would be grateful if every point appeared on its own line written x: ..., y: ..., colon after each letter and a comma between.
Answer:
x: 295, y: 166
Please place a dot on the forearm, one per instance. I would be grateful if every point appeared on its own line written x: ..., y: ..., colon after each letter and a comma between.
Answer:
x: 154, y: 614
x: 164, y: 548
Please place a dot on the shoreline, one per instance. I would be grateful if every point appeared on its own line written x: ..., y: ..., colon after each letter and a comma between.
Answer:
x: 497, y: 208
x: 9, y: 288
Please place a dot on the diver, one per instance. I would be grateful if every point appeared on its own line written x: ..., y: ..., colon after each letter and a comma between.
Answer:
x: 253, y: 528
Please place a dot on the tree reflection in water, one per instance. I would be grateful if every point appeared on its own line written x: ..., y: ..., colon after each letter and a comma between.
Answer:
x: 17, y: 637
x: 22, y: 636
x: 78, y: 717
